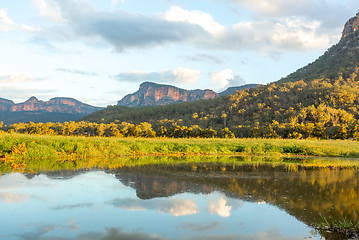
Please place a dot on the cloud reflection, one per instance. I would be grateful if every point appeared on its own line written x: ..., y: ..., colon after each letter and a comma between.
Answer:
x: 11, y: 198
x: 221, y: 207
x: 200, y: 227
x: 175, y: 207
x: 80, y: 205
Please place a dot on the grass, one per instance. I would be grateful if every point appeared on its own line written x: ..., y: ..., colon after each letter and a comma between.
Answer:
x: 345, y: 226
x: 21, y: 152
x: 22, y: 146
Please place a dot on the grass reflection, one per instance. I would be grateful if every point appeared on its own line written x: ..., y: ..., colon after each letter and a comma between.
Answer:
x: 8, y: 165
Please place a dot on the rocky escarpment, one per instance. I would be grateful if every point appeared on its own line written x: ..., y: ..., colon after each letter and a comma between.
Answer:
x: 351, y: 26
x: 54, y: 105
x: 5, y: 104
x: 152, y: 94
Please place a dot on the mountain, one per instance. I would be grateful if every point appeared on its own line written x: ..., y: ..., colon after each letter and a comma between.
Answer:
x: 153, y: 94
x: 5, y: 104
x: 55, y: 110
x: 341, y: 58
x: 231, y: 90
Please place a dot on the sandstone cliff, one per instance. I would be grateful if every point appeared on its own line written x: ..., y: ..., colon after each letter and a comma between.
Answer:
x: 55, y: 110
x: 56, y: 105
x: 351, y: 26
x: 152, y: 94
x: 5, y: 104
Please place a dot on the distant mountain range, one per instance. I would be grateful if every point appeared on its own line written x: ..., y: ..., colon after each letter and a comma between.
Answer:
x: 153, y: 94
x: 59, y: 105
x: 55, y: 110
x: 62, y: 109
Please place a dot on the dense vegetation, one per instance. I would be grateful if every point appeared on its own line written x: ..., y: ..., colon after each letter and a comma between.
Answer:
x: 323, y: 108
x: 23, y: 146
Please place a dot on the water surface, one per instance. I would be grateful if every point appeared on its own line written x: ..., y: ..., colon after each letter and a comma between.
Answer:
x: 181, y: 201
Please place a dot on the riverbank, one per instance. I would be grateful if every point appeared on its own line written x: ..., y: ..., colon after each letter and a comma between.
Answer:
x: 22, y: 146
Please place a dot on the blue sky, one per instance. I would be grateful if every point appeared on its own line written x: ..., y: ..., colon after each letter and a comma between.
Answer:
x: 97, y: 51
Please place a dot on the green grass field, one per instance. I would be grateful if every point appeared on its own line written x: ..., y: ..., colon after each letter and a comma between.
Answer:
x: 22, y: 146
x: 27, y: 153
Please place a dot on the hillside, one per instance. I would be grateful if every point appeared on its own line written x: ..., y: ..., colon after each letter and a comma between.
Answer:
x: 323, y: 108
x: 232, y: 90
x: 312, y: 107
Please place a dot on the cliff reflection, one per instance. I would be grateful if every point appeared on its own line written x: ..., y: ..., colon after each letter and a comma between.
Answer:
x: 175, y: 207
x: 301, y: 193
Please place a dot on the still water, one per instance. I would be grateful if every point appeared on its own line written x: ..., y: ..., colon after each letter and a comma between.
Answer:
x: 183, y: 201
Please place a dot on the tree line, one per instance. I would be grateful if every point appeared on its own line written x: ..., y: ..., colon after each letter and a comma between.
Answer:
x: 323, y: 108
x: 123, y: 129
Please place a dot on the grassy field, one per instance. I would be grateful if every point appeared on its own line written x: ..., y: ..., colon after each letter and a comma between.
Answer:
x: 21, y: 146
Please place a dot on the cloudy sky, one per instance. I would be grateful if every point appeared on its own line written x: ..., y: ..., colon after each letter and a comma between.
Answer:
x: 97, y: 51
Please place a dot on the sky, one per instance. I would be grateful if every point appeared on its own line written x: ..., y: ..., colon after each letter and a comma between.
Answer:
x: 97, y: 51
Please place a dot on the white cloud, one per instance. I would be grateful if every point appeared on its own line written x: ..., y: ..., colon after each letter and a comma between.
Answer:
x: 12, y: 78
x: 225, y: 78
x: 5, y: 22
x: 75, y: 71
x: 125, y: 30
x: 49, y: 10
x: 205, y: 20
x: 178, y: 75
x: 221, y: 208
x: 205, y: 58
x: 221, y: 77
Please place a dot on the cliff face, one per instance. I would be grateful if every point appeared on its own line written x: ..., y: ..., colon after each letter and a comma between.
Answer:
x: 150, y: 186
x: 55, y: 105
x: 152, y: 94
x: 5, y: 104
x: 351, y: 26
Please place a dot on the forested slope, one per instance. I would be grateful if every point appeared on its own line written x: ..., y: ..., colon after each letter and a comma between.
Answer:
x: 342, y: 57
x: 322, y: 108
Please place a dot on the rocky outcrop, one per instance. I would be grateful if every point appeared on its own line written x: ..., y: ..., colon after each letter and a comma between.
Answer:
x: 351, y: 26
x: 5, y: 104
x: 54, y: 105
x: 152, y: 94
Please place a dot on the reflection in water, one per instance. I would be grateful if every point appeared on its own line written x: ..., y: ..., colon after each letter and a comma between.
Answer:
x: 175, y: 207
x: 185, y: 201
x: 9, y: 197
x: 221, y: 208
